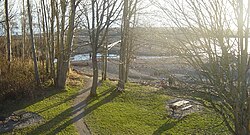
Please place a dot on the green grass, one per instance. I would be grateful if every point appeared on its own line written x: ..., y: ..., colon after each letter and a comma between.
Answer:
x: 140, y: 110
x: 55, y: 107
x: 56, y: 111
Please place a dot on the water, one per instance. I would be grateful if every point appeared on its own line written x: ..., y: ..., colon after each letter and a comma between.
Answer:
x: 231, y: 44
x: 155, y: 57
x: 82, y: 57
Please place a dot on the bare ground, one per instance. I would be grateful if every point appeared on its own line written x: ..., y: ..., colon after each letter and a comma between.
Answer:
x: 80, y: 102
x: 142, y: 69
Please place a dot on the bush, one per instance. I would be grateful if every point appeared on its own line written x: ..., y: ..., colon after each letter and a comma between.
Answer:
x: 75, y: 79
x: 18, y: 81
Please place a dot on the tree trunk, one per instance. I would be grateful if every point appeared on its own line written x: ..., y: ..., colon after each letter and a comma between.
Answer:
x: 127, y: 67
x: 94, y: 47
x: 97, y: 29
x: 60, y: 79
x: 241, y: 126
x: 124, y: 42
x: 33, y: 45
x: 52, y: 53
x: 248, y: 102
x: 40, y: 42
x: 45, y: 35
x: 7, y: 32
x: 58, y: 53
x: 24, y: 31
x: 95, y: 75
x: 62, y: 76
x: 128, y: 55
x: 104, y: 60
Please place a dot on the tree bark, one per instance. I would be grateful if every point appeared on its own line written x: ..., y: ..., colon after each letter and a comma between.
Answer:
x: 94, y: 46
x: 45, y: 36
x: 7, y: 32
x: 33, y: 45
x: 41, y: 59
x: 24, y: 31
x: 52, y: 53
x: 58, y: 53
x: 60, y: 79
x: 105, y: 60
x: 124, y: 42
x: 95, y: 75
x: 62, y: 76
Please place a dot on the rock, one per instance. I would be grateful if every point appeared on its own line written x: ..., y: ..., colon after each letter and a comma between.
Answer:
x: 180, y: 103
x: 29, y: 118
x: 186, y: 108
x: 2, y: 118
x: 20, y: 120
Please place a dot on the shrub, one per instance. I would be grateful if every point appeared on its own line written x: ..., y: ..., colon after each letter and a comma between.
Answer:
x: 18, y: 80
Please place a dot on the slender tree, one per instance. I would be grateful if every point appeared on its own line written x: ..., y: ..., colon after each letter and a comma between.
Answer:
x: 46, y: 44
x: 23, y: 30
x: 52, y: 53
x: 105, y: 58
x: 8, y: 36
x: 40, y: 38
x: 131, y: 35
x: 58, y: 49
x: 33, y: 45
x: 97, y: 28
x: 124, y: 43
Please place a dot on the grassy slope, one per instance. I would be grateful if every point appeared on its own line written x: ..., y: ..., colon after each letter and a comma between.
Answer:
x: 141, y: 110
x: 56, y: 110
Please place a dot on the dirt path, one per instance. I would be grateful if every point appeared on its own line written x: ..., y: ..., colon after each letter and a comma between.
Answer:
x: 80, y: 103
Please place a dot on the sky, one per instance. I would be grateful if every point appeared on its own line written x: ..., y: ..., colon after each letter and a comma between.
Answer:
x: 149, y: 14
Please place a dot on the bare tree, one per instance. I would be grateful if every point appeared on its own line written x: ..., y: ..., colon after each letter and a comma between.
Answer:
x: 126, y: 50
x: 124, y: 42
x: 7, y: 31
x: 212, y: 36
x: 66, y: 48
x: 45, y: 28
x: 103, y: 14
x: 105, y: 58
x: 33, y: 45
x: 52, y: 44
x: 23, y: 30
x: 61, y: 50
x: 131, y: 35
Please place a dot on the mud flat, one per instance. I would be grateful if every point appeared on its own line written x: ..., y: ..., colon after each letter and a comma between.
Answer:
x: 143, y: 68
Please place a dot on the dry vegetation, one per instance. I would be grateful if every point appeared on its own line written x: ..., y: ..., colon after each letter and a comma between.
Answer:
x: 18, y: 81
x: 75, y: 79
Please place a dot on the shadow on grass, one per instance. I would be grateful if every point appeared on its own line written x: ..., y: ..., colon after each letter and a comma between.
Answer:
x: 9, y: 106
x: 55, y: 125
x: 61, y: 102
x: 166, y: 126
